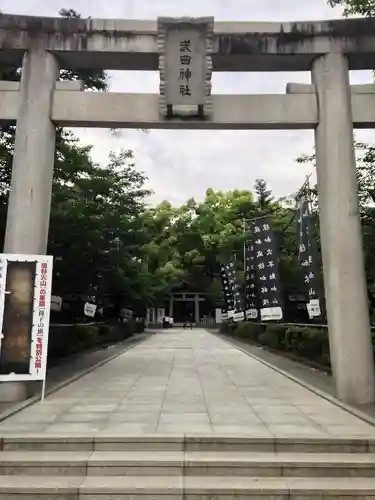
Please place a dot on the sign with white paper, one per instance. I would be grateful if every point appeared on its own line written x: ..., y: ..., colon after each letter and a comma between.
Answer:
x: 25, y: 302
x: 89, y: 309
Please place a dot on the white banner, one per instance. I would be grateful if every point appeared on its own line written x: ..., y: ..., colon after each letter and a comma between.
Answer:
x: 218, y: 316
x: 271, y: 314
x: 252, y: 314
x: 224, y: 316
x: 313, y: 308
x: 89, y: 309
x: 238, y: 316
x: 40, y: 302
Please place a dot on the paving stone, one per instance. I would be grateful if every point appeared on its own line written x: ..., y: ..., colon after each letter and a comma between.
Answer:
x: 183, y: 382
x: 184, y: 428
x: 296, y: 430
x: 72, y: 428
x: 182, y: 418
x: 105, y: 408
x: 229, y: 418
x: 133, y: 417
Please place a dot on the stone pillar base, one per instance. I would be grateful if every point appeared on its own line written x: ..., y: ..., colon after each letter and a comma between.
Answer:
x: 15, y: 392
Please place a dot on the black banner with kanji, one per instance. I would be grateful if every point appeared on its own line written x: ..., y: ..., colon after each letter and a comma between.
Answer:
x: 238, y: 314
x: 232, y: 292
x: 251, y: 297
x: 267, y: 270
x: 227, y: 283
x: 308, y: 259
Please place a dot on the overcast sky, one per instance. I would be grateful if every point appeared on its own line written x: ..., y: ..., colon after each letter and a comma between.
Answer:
x: 182, y: 164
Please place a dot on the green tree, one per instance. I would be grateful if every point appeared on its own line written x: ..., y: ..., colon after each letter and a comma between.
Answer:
x: 94, y: 222
x: 195, y: 238
x: 352, y: 7
x: 264, y: 195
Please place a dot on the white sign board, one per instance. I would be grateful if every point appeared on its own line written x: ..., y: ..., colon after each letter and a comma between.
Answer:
x: 89, y: 309
x: 224, y: 316
x: 238, y: 316
x: 313, y: 308
x: 252, y: 314
x: 271, y: 314
x: 218, y: 316
x: 13, y: 283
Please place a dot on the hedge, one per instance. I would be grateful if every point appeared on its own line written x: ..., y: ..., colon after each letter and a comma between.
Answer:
x: 310, y: 343
x: 67, y: 340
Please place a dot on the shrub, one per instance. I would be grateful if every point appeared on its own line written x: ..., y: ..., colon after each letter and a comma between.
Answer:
x: 65, y: 340
x: 274, y: 336
x: 310, y: 345
x: 305, y: 341
x: 115, y: 332
x: 83, y: 337
x: 293, y: 337
x: 224, y: 327
x: 228, y: 327
x: 111, y: 332
x: 128, y: 328
x: 309, y: 342
x: 249, y: 330
x: 139, y: 326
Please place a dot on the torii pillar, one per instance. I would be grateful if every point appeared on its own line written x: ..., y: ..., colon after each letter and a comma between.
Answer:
x: 341, y: 235
x: 29, y: 202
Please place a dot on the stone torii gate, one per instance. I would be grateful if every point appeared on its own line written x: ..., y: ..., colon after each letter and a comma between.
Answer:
x: 329, y: 106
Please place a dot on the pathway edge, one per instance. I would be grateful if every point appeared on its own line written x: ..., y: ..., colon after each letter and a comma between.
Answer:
x: 35, y: 399
x: 350, y: 409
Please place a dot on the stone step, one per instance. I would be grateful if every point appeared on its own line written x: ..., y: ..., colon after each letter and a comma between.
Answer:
x: 164, y: 463
x: 158, y: 442
x: 192, y: 488
x: 286, y: 464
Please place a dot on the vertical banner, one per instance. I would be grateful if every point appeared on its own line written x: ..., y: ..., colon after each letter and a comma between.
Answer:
x: 227, y: 283
x: 238, y: 314
x: 25, y: 301
x: 251, y: 306
x: 307, y: 259
x: 267, y: 270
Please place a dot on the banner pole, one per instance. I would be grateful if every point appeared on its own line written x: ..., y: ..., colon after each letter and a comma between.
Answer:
x: 43, y: 390
x: 244, y: 267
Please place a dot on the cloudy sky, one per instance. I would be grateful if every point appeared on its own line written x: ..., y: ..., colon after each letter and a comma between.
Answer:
x: 182, y: 164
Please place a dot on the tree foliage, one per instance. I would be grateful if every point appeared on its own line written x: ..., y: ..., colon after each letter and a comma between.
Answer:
x: 195, y: 238
x: 354, y: 7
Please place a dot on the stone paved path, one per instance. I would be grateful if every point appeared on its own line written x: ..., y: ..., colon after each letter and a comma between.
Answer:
x: 186, y: 382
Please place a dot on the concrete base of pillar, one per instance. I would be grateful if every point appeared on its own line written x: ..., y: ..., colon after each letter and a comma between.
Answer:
x: 15, y: 392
